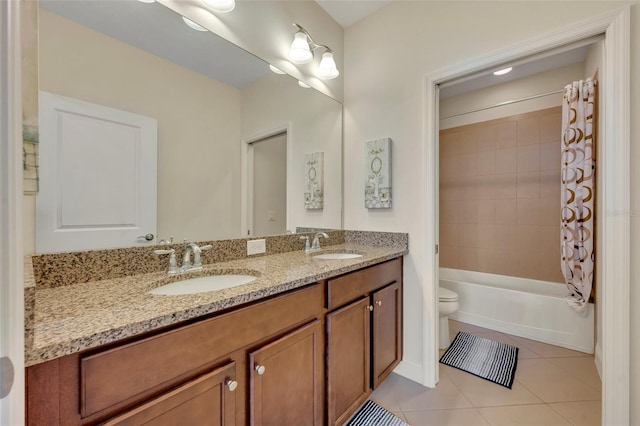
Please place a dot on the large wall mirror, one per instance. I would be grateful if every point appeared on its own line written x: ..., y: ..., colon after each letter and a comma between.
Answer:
x: 217, y: 109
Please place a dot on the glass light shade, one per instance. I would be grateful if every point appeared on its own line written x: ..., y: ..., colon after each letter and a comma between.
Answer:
x: 303, y: 84
x: 193, y: 25
x: 300, y: 52
x: 222, y: 6
x: 502, y: 71
x: 327, y: 68
x: 147, y: 1
x: 276, y: 70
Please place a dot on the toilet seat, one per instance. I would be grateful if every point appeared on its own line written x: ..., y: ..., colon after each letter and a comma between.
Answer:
x: 446, y: 295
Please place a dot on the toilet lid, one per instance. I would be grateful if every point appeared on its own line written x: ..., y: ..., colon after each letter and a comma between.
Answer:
x: 446, y: 295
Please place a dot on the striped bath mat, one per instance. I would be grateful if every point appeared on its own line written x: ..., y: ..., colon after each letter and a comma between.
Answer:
x: 371, y: 414
x: 493, y: 361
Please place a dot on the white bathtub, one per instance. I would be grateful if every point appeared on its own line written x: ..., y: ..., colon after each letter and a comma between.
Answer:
x: 520, y: 306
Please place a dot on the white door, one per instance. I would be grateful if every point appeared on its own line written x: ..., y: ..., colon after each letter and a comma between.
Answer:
x: 97, y: 176
x: 270, y: 185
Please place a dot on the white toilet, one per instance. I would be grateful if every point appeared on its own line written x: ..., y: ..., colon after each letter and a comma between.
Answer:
x: 447, y: 304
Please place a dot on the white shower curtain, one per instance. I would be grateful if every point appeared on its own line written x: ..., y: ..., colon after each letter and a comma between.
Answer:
x: 578, y: 191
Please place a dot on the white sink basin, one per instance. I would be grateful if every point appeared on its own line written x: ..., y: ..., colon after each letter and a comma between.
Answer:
x: 202, y: 284
x: 337, y: 256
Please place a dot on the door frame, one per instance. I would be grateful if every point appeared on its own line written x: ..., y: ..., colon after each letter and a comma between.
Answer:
x: 246, y: 183
x: 11, y: 250
x: 615, y: 227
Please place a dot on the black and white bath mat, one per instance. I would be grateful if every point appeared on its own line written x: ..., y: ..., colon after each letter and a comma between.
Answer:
x: 493, y: 361
x: 371, y: 414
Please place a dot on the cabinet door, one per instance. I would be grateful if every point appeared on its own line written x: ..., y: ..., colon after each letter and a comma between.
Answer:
x: 348, y: 368
x: 286, y: 379
x: 387, y: 331
x: 206, y: 400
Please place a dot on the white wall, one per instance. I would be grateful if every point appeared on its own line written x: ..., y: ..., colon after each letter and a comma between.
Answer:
x: 275, y: 101
x: 265, y: 28
x: 387, y: 56
x: 198, y: 122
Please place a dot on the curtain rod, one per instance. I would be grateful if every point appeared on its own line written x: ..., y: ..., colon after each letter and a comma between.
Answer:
x: 513, y: 101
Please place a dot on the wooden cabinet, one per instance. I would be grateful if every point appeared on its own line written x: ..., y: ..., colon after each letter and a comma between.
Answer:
x: 286, y: 379
x: 364, y: 337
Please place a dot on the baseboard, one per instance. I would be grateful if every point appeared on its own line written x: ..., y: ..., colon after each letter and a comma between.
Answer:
x: 598, y: 359
x: 409, y: 370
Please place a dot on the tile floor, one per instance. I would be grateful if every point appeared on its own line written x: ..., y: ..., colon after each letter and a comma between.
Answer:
x: 553, y: 386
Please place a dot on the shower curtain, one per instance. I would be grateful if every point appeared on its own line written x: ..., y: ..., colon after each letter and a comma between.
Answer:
x: 578, y: 191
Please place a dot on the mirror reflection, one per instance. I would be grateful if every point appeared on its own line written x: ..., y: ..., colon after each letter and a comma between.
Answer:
x: 219, y: 109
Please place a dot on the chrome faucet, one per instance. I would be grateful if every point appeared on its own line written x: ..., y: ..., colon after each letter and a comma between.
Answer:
x: 197, y: 260
x: 315, y: 245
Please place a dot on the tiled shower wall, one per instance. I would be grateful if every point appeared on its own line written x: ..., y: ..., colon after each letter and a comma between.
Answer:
x: 500, y: 196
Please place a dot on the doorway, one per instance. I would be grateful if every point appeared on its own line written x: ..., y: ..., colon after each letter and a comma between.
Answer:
x: 268, y: 185
x: 615, y: 229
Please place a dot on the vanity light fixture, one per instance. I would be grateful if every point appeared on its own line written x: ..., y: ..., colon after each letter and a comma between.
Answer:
x: 303, y: 84
x: 193, y: 25
x: 503, y: 71
x: 221, y: 6
x: 301, y: 52
x: 147, y: 1
x: 276, y: 70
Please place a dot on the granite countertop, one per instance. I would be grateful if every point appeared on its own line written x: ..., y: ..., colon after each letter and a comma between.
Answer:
x: 72, y: 318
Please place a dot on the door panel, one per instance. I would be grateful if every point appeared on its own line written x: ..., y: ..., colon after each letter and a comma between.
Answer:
x: 387, y: 332
x: 286, y: 379
x: 270, y: 185
x: 347, y: 359
x: 97, y: 176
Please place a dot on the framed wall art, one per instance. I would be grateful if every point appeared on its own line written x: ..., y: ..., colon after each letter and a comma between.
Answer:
x: 314, y: 182
x: 377, y: 185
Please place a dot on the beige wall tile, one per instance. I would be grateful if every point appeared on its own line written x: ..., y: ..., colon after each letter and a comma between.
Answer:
x: 449, y: 234
x: 506, y: 160
x: 467, y: 142
x: 550, y: 156
x: 468, y: 211
x: 468, y: 189
x: 528, y: 211
x: 486, y: 236
x: 549, y: 211
x: 486, y: 138
x: 528, y: 131
x: 506, y: 134
x: 449, y: 144
x: 486, y: 162
x: 486, y: 260
x: 449, y: 168
x: 551, y: 126
x: 528, y: 185
x: 486, y: 212
x: 506, y: 211
x: 506, y: 237
x: 506, y: 185
x: 469, y: 258
x: 506, y: 261
x: 528, y: 158
x: 450, y: 211
x: 449, y: 256
x: 467, y: 164
x: 486, y: 187
x: 468, y: 235
x: 550, y: 184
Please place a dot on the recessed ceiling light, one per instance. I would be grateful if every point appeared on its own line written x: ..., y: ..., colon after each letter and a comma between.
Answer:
x: 502, y: 71
x: 303, y: 84
x: 276, y: 70
x: 193, y: 25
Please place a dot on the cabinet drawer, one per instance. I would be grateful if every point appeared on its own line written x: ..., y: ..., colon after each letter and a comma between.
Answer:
x: 127, y: 373
x: 353, y: 285
x: 207, y: 400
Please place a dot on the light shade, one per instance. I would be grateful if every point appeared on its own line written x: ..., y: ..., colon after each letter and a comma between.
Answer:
x: 327, y: 68
x: 222, y: 6
x: 303, y: 84
x: 300, y: 52
x: 502, y: 71
x: 193, y: 25
x: 276, y: 70
x: 147, y: 1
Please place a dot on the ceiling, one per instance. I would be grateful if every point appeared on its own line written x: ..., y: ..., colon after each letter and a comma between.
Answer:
x: 349, y: 12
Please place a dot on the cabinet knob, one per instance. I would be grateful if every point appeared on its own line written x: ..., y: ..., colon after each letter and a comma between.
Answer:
x: 231, y: 384
x: 379, y: 302
x: 370, y: 307
x: 260, y: 369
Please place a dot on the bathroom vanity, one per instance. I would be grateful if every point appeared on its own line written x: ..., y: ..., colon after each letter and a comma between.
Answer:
x: 305, y: 343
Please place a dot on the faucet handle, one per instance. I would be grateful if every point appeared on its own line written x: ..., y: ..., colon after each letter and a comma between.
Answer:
x: 173, y: 263
x: 197, y: 260
x: 307, y: 247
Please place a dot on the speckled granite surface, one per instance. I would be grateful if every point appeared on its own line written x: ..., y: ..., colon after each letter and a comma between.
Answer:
x: 75, y: 317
